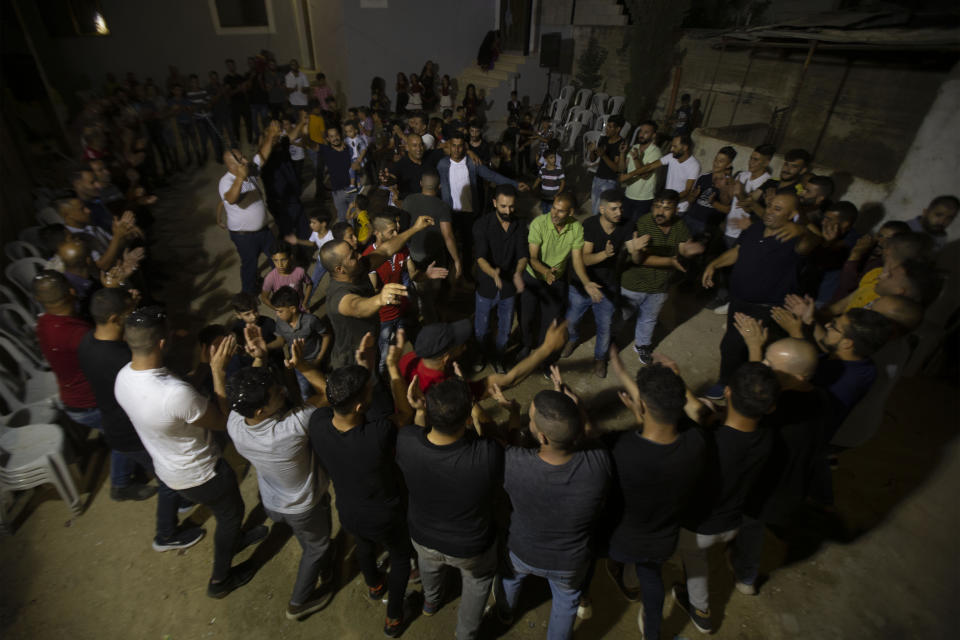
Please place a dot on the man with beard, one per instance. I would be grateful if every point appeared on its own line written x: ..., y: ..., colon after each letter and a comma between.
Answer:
x: 335, y: 155
x: 939, y: 214
x: 814, y: 196
x: 352, y: 305
x: 644, y: 284
x: 604, y: 237
x: 641, y: 178
x: 796, y: 165
x: 765, y: 261
x: 500, y: 245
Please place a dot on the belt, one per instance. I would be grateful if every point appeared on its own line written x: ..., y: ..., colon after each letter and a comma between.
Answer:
x: 244, y: 233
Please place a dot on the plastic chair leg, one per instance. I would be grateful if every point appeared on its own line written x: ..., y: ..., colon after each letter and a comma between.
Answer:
x: 61, y: 477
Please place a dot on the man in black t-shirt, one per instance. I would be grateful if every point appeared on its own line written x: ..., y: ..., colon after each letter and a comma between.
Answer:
x: 736, y: 453
x: 656, y: 469
x: 102, y: 353
x: 557, y: 493
x: 611, y: 150
x: 453, y: 477
x: 353, y: 306
x: 355, y: 445
x: 604, y: 237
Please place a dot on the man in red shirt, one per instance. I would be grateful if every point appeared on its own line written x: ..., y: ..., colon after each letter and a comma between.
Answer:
x: 59, y: 332
x: 393, y: 271
x: 438, y: 345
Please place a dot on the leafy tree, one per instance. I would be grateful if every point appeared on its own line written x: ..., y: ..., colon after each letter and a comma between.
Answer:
x: 589, y: 64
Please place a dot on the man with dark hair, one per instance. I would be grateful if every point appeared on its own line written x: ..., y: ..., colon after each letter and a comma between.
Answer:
x: 89, y: 189
x: 335, y: 156
x: 355, y: 439
x: 452, y: 524
x: 747, y: 194
x: 796, y: 164
x: 656, y: 467
x: 460, y: 188
x: 435, y: 244
x: 500, y: 247
x: 737, y: 451
x: 766, y: 261
x: 934, y: 220
x: 352, y: 305
x: 710, y: 198
x: 839, y: 238
x: 814, y: 196
x: 604, y: 238
x: 102, y: 354
x: 639, y: 184
x: 645, y: 281
x: 611, y: 152
x: 273, y: 435
x: 557, y: 491
x: 176, y: 425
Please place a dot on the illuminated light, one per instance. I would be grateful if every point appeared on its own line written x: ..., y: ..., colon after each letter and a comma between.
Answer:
x: 100, y: 24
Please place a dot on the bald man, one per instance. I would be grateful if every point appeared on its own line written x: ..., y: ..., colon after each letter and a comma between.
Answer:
x: 78, y: 267
x: 797, y: 425
x: 765, y: 264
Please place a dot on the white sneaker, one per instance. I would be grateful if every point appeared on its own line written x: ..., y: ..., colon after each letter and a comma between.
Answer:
x: 722, y: 311
x: 584, y: 609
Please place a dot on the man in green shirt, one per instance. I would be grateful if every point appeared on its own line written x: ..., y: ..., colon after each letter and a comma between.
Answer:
x: 644, y: 284
x: 640, y: 181
x: 555, y: 239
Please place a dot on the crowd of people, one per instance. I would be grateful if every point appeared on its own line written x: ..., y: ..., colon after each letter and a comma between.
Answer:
x: 376, y: 390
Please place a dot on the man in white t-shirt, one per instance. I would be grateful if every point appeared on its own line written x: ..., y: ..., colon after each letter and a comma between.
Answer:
x: 747, y: 193
x: 273, y: 436
x: 242, y: 198
x: 682, y: 169
x: 297, y: 81
x: 176, y: 425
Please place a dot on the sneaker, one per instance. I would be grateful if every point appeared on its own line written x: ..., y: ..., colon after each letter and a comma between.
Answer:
x: 714, y: 393
x: 498, y: 366
x: 430, y: 608
x: 746, y: 588
x: 183, y: 539
x: 722, y: 309
x: 393, y: 627
x: 378, y: 592
x: 253, y: 536
x: 414, y: 575
x: 238, y: 576
x: 568, y: 349
x: 700, y: 619
x: 584, y: 608
x: 132, y: 492
x: 600, y: 368
x: 351, y: 189
x: 479, y: 364
x: 644, y: 354
x: 318, y: 600
x: 615, y: 571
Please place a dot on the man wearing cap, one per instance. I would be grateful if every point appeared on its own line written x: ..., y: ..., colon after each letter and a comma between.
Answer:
x: 438, y: 346
x: 352, y: 304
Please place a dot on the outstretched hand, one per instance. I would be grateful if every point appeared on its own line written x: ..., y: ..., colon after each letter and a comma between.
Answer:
x: 365, y: 355
x: 221, y: 353
x: 256, y: 346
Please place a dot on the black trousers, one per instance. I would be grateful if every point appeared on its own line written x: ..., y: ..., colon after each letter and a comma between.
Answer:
x: 540, y: 304
x: 221, y: 495
x: 396, y: 540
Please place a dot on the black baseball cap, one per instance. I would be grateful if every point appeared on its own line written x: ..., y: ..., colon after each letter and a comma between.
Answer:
x: 436, y: 339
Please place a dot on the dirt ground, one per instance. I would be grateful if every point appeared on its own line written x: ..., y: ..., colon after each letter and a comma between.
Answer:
x: 886, y: 567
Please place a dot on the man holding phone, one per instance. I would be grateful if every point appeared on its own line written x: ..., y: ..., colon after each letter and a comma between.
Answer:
x: 611, y: 150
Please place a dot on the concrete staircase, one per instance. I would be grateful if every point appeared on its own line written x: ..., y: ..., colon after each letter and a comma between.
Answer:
x: 600, y: 12
x: 504, y: 70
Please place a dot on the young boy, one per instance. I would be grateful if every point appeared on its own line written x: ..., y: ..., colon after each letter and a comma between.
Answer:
x: 246, y: 312
x: 359, y: 210
x: 551, y: 181
x: 320, y: 234
x: 343, y: 232
x: 294, y: 324
x: 513, y: 107
x: 358, y: 151
x: 284, y: 274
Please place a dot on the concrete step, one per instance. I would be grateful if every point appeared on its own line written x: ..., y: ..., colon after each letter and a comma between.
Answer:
x: 511, y: 58
x: 603, y: 21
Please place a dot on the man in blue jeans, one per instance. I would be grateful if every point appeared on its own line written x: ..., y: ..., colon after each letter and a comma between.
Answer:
x: 246, y: 213
x: 611, y: 150
x: 336, y: 158
x: 500, y: 246
x: 644, y: 284
x: 604, y: 238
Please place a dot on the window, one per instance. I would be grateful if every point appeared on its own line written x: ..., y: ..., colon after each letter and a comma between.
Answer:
x: 69, y: 18
x: 242, y: 17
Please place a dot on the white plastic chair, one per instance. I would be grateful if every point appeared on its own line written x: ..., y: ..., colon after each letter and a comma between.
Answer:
x: 615, y: 105
x: 625, y: 130
x: 22, y: 272
x: 31, y: 456
x: 633, y: 138
x: 28, y: 347
x: 570, y: 134
x: 566, y: 93
x: 48, y: 215
x: 583, y: 98
x: 16, y: 249
x: 573, y: 114
x: 585, y: 116
x: 590, y: 138
x: 601, y: 123
x: 43, y: 412
x: 21, y: 382
x: 599, y: 103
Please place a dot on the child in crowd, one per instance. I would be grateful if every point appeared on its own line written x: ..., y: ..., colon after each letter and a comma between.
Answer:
x: 246, y: 313
x: 446, y: 94
x: 513, y: 107
x: 343, y: 232
x: 320, y: 234
x: 321, y: 90
x: 367, y: 126
x: 284, y: 274
x: 295, y: 324
x: 296, y: 131
x: 357, y: 143
x: 415, y: 99
x: 359, y: 211
x: 551, y: 181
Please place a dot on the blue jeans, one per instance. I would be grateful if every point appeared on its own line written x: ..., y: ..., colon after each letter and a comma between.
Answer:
x: 602, y: 316
x: 565, y: 587
x: 250, y: 245
x: 388, y: 330
x: 121, y: 467
x: 599, y: 186
x: 341, y: 201
x: 306, y: 389
x: 318, y: 272
x: 647, y: 307
x: 481, y: 319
